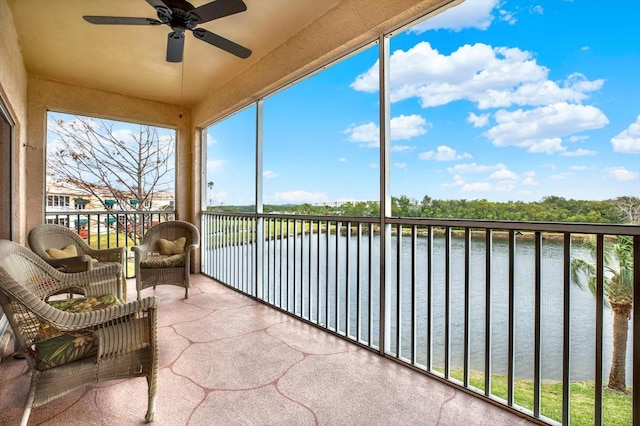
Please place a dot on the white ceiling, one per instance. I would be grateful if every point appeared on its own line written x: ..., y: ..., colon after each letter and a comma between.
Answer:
x: 58, y: 44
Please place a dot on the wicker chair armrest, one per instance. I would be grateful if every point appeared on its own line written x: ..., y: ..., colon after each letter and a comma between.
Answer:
x: 96, y: 282
x: 68, y: 321
x: 83, y: 320
x: 191, y: 247
x: 72, y: 264
x: 141, y: 251
x: 113, y: 254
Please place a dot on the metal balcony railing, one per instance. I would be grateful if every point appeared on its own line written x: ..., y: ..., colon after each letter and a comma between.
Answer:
x: 110, y: 228
x: 487, y: 306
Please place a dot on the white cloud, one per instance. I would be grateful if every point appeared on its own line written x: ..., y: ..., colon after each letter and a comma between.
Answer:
x: 528, y: 178
x: 408, y: 126
x: 402, y: 148
x: 579, y: 153
x: 628, y: 141
x: 470, y: 14
x: 342, y: 160
x: 478, y: 120
x: 403, y: 127
x: 474, y: 168
x: 488, y: 187
x: 540, y: 128
x: 621, y: 173
x: 500, y: 179
x: 548, y: 146
x: 366, y: 133
x: 400, y: 165
x: 300, y: 196
x: 537, y: 10
x: 490, y: 77
x: 443, y: 153
x: 506, y: 16
x: 503, y: 174
x: 268, y: 174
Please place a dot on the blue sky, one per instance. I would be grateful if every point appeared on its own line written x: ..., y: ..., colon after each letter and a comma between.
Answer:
x: 502, y: 100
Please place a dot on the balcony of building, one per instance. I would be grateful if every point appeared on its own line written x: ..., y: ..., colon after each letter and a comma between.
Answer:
x: 297, y: 319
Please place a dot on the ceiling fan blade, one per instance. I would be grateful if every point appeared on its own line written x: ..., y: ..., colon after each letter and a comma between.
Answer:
x: 216, y: 9
x: 120, y: 20
x: 175, y: 46
x: 222, y: 43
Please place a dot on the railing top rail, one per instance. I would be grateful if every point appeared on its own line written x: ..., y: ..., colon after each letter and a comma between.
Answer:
x: 561, y: 227
x: 75, y: 212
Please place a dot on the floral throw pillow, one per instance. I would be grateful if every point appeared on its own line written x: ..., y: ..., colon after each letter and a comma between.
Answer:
x: 65, y: 348
x: 160, y: 261
x: 71, y: 346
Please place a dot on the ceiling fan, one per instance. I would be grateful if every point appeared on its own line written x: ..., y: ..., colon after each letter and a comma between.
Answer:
x: 181, y: 15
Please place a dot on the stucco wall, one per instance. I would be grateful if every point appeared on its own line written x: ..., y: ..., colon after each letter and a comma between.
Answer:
x: 13, y: 92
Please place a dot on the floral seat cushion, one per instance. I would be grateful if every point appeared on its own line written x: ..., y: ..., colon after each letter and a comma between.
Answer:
x: 163, y: 261
x: 67, y: 347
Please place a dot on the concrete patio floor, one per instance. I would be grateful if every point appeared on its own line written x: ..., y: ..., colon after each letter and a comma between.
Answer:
x: 228, y: 360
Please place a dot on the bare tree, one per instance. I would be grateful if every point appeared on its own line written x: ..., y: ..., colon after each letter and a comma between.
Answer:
x: 93, y: 158
x: 128, y: 166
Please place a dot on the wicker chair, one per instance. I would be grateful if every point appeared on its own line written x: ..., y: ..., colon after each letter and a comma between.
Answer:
x: 48, y: 236
x: 97, y: 343
x: 163, y: 257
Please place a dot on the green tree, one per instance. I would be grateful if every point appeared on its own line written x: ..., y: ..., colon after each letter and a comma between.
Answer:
x: 618, y: 290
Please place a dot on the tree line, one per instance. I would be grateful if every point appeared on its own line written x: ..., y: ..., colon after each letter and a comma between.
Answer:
x: 550, y: 209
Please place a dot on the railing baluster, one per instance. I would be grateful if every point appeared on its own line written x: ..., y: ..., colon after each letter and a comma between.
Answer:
x: 414, y: 273
x: 347, y: 280
x: 467, y: 304
x: 399, y: 277
x: 429, y: 298
x: 511, y: 344
x: 488, y: 247
x: 336, y: 286
x: 636, y: 332
x: 370, y: 285
x: 566, y: 332
x: 599, y: 327
x: 536, y: 323
x: 447, y: 303
x: 358, y: 284
x: 326, y: 288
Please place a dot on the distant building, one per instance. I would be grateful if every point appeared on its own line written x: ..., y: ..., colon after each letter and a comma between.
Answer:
x: 341, y: 203
x: 67, y: 207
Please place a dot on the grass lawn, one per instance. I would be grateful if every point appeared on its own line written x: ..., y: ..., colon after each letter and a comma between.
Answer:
x: 616, y: 407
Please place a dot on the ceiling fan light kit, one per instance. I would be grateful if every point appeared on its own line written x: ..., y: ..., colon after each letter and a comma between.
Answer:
x: 181, y: 16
